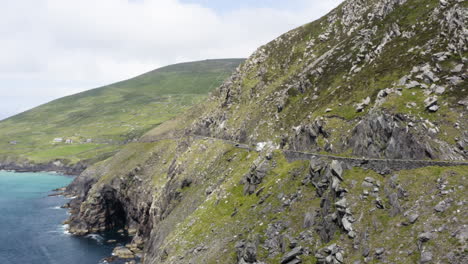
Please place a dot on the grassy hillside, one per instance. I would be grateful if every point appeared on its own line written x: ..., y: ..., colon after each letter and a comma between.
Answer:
x: 99, y: 121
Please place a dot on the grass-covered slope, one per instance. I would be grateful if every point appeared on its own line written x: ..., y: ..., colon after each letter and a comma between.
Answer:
x: 99, y: 121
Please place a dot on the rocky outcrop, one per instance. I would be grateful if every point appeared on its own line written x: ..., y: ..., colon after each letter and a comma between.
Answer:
x: 246, y: 252
x: 60, y: 166
x: 334, y: 213
x: 330, y: 255
x: 105, y: 211
x: 305, y: 136
x: 120, y: 204
x: 123, y: 253
x: 386, y: 136
x: 254, y: 177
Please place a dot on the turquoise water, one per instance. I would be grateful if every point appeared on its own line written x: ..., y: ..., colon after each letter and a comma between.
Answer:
x: 31, y: 230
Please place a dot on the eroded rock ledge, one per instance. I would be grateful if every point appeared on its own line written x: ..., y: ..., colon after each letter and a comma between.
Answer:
x: 53, y: 166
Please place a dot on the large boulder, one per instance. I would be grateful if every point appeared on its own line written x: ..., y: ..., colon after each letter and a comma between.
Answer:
x: 123, y: 253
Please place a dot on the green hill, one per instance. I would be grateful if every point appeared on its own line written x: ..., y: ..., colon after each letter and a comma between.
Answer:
x: 100, y: 121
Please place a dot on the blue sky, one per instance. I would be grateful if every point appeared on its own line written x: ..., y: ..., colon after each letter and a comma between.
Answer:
x: 54, y: 48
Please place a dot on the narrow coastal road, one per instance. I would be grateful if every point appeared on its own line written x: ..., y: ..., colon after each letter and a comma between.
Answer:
x: 371, y: 163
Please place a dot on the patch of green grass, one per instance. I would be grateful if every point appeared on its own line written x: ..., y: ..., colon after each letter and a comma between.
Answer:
x: 63, y: 151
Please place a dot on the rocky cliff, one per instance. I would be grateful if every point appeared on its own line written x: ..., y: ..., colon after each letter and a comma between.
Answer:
x: 58, y: 165
x: 373, y: 83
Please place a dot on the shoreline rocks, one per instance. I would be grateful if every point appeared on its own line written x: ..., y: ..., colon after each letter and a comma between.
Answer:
x: 123, y: 253
x: 57, y: 166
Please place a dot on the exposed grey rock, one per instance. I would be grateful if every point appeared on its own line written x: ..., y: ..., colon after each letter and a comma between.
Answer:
x: 305, y: 136
x: 412, y: 84
x: 252, y: 179
x: 339, y: 257
x: 429, y: 76
x: 379, y: 203
x: 370, y: 180
x: 365, y: 102
x: 209, y: 190
x: 433, y: 108
x: 458, y: 68
x: 366, y: 184
x: 337, y: 169
x: 309, y: 220
x: 442, y: 206
x: 395, y: 203
x: 246, y: 252
x: 379, y: 251
x: 441, y: 56
x: 411, y: 104
x: 291, y: 255
x: 463, y: 102
x: 295, y: 261
x: 342, y: 203
x: 461, y: 234
x: 123, y: 252
x: 426, y: 257
x: 346, y: 224
x: 316, y: 165
x: 384, y: 136
x: 424, y: 237
x: 274, y: 242
x: 323, y: 37
x: 412, y: 218
x: 439, y: 89
x: 365, y: 251
x: 430, y: 101
x: 331, y: 254
x: 455, y: 80
x: 403, y: 80
x: 461, y: 145
x: 336, y: 184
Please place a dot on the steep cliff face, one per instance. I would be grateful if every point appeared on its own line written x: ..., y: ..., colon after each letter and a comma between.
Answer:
x: 383, y: 79
x: 402, y: 62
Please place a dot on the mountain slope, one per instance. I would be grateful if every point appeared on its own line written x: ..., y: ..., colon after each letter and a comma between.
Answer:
x: 323, y: 147
x: 98, y: 121
x: 306, y: 89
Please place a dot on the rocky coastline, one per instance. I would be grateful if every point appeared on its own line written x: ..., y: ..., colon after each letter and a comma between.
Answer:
x: 58, y: 166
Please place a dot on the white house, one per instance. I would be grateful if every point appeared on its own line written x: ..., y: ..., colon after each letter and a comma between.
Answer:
x: 68, y: 141
x: 58, y: 140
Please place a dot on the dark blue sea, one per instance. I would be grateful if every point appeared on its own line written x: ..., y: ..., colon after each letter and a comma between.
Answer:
x: 31, y: 230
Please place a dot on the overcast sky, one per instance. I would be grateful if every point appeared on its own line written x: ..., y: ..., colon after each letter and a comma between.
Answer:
x: 53, y: 48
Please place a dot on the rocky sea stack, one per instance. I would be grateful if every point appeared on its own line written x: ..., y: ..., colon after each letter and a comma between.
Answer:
x: 342, y: 141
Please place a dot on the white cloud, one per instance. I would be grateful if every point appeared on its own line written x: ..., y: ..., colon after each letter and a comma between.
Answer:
x: 95, y: 42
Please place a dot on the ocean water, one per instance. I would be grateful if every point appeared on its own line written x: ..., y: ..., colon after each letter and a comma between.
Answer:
x: 31, y: 230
